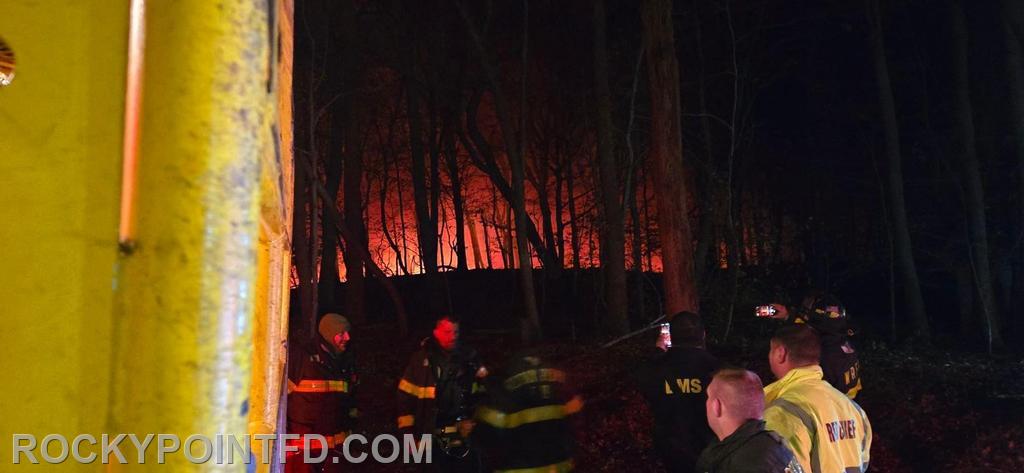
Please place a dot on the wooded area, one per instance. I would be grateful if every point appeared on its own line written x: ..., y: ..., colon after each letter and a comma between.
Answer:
x: 743, y: 150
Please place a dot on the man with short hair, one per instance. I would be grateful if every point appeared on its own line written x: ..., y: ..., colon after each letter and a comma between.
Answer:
x: 437, y: 394
x: 673, y: 384
x: 826, y: 430
x: 826, y: 314
x: 734, y: 408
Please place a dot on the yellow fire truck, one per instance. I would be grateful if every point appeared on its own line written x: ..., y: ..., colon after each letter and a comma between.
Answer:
x: 145, y: 155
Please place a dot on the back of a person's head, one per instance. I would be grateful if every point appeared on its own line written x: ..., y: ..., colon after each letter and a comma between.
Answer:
x: 741, y: 392
x: 803, y: 345
x: 687, y: 329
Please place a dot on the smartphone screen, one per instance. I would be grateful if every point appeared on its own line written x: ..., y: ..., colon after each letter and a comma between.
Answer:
x: 666, y: 334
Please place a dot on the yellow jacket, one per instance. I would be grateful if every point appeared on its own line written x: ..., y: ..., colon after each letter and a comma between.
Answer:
x: 827, y: 431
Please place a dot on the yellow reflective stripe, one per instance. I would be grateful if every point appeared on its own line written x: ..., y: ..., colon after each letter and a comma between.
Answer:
x: 406, y: 421
x: 478, y: 388
x: 561, y: 467
x: 852, y: 393
x: 512, y: 420
x: 320, y: 386
x: 543, y: 375
x: 421, y: 392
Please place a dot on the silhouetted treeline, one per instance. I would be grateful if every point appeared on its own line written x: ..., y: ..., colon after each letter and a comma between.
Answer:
x: 874, y: 149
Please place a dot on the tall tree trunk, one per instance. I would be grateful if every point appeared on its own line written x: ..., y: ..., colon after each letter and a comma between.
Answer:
x: 425, y: 233
x: 478, y: 262
x: 1013, y: 34
x: 336, y: 112
x: 633, y: 176
x: 510, y: 242
x: 487, y: 241
x: 638, y: 259
x: 531, y: 327
x: 648, y: 234
x: 666, y: 158
x: 971, y: 176
x: 434, y: 149
x: 965, y: 296
x: 383, y: 200
x: 613, y: 238
x: 544, y: 203
x: 333, y: 167
x: 897, y: 206
x: 452, y: 160
x: 355, y: 291
x: 401, y: 218
x: 574, y: 228
x: 559, y: 211
x: 305, y: 223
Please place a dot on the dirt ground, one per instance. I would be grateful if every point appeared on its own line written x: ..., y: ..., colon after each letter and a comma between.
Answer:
x: 930, y: 410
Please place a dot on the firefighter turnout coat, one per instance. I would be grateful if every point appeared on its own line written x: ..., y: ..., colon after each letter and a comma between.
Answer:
x: 321, y: 392
x: 524, y: 425
x: 827, y: 431
x: 438, y: 388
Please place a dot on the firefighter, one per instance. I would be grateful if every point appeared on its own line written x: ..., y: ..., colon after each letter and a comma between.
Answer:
x: 437, y: 395
x: 826, y: 430
x: 827, y: 315
x: 735, y: 407
x: 524, y: 425
x: 321, y: 392
x: 673, y: 384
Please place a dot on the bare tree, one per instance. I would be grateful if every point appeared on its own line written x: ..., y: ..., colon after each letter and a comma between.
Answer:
x: 1013, y: 35
x: 666, y: 158
x: 974, y: 193
x: 613, y: 238
x: 531, y: 327
x: 897, y: 207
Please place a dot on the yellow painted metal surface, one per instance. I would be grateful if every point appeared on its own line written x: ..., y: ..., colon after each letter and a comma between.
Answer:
x: 270, y: 331
x: 159, y: 339
x: 185, y: 302
x: 60, y: 160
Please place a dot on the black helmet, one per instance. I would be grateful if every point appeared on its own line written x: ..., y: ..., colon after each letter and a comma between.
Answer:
x: 826, y: 313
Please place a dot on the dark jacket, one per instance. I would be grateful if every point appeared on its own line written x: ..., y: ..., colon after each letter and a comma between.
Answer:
x: 750, y: 449
x: 839, y: 361
x: 525, y: 421
x: 674, y: 385
x: 840, y: 364
x: 321, y: 390
x: 438, y: 388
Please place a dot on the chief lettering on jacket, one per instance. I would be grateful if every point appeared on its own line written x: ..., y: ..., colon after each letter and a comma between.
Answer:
x: 841, y: 430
